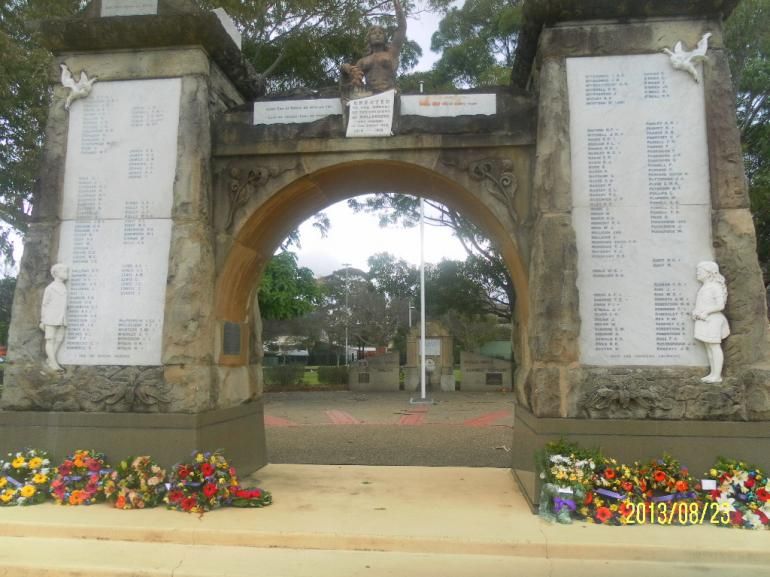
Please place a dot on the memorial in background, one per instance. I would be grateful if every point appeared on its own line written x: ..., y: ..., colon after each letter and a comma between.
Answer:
x: 483, y: 373
x: 375, y: 373
x: 439, y: 358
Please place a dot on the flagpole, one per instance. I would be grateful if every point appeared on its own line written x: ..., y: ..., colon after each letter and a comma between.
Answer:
x: 422, y: 299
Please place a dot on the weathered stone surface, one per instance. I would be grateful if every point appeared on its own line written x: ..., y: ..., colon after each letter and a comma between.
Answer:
x: 735, y: 248
x: 757, y: 382
x: 378, y: 373
x: 551, y: 186
x: 540, y: 14
x: 554, y: 322
x: 728, y: 179
x: 482, y: 373
x: 651, y: 393
x: 92, y: 388
x: 235, y: 385
x: 543, y: 388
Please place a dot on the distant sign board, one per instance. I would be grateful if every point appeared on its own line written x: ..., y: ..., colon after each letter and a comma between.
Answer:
x: 295, y: 111
x: 128, y: 7
x: 436, y: 105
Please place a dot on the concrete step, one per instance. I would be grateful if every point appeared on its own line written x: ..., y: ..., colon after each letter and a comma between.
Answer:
x: 372, y: 521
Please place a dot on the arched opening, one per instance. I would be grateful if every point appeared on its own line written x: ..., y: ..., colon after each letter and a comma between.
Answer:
x: 259, y: 233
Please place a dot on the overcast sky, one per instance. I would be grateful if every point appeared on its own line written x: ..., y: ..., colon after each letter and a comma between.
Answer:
x: 354, y: 237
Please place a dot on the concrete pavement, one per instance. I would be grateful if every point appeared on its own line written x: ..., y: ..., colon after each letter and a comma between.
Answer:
x: 373, y: 521
x: 342, y: 427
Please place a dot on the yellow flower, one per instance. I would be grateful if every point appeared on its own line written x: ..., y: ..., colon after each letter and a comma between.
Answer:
x: 35, y: 462
x: 27, y: 491
x: 199, y: 458
x: 18, y: 463
x: 7, y: 495
x: 39, y: 479
x: 3, y: 482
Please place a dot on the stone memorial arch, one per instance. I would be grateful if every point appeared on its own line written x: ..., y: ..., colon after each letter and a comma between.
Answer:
x: 603, y: 175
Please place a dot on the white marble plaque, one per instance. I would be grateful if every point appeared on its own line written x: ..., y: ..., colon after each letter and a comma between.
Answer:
x: 295, y: 111
x: 432, y: 347
x: 229, y: 25
x: 641, y: 207
x: 371, y: 116
x: 438, y: 105
x: 129, y: 7
x: 116, y: 221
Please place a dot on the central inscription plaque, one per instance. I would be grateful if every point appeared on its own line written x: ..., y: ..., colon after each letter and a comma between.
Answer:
x: 641, y: 207
x: 116, y: 220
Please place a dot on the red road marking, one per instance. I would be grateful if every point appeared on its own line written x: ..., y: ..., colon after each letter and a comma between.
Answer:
x: 271, y: 421
x: 487, y: 419
x: 342, y: 418
x: 417, y: 417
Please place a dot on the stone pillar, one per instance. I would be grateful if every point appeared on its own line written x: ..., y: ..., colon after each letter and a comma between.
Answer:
x: 129, y: 361
x: 565, y: 392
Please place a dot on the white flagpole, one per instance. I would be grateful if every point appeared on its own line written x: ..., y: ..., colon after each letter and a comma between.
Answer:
x: 422, y: 299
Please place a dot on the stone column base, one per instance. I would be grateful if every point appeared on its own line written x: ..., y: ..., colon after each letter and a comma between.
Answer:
x: 167, y: 437
x: 696, y: 444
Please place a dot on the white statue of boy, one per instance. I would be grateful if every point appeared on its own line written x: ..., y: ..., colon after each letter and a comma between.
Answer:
x: 53, y: 314
x: 710, y: 324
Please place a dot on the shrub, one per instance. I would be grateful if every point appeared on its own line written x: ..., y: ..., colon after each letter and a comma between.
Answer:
x: 283, y: 375
x: 333, y: 375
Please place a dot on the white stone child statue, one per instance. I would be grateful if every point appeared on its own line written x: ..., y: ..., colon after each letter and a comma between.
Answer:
x: 53, y: 314
x: 710, y: 324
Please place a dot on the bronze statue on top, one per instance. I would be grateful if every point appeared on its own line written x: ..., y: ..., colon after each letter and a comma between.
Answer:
x: 375, y: 72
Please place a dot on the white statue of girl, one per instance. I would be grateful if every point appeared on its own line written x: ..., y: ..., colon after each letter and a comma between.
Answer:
x: 711, y: 326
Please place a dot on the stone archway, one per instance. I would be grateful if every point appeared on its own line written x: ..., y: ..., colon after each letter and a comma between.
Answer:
x: 275, y: 207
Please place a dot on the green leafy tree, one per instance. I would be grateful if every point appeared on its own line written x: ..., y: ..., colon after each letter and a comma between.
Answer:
x: 477, y: 43
x: 287, y: 290
x: 484, y: 270
x: 747, y: 36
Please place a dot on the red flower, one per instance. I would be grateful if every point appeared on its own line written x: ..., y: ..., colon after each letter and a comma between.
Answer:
x: 589, y: 498
x: 659, y: 476
x: 763, y: 495
x: 736, y: 518
x: 682, y: 486
x: 183, y: 471
x: 643, y: 485
x: 609, y: 473
x: 175, y: 496
x: 762, y: 517
x: 603, y: 514
x: 715, y: 494
x: 624, y: 510
x: 207, y: 469
x: 188, y: 503
x: 749, y: 483
x: 627, y: 486
x: 93, y: 465
x: 209, y: 489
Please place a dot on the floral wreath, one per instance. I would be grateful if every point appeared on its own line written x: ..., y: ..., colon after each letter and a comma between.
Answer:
x: 201, y: 485
x: 743, y: 491
x: 250, y: 497
x: 80, y: 478
x: 135, y: 483
x: 25, y: 478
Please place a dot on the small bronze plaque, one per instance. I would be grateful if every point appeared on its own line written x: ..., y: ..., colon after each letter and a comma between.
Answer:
x: 495, y: 379
x: 231, y: 339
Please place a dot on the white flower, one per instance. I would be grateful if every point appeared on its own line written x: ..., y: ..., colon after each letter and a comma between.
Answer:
x: 752, y: 520
x: 726, y: 503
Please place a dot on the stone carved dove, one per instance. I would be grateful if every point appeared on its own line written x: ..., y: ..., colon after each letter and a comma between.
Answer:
x: 79, y: 89
x: 682, y: 60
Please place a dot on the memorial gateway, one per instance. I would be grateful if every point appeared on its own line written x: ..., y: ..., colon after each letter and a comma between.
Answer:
x: 607, y: 171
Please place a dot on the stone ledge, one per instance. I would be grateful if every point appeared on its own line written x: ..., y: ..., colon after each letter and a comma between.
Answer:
x: 541, y: 13
x: 153, y: 31
x: 167, y: 437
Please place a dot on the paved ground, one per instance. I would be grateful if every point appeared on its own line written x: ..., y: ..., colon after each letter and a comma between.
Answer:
x: 342, y: 427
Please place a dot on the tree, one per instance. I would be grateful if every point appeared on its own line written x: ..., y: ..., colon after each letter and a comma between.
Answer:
x: 24, y: 97
x: 484, y: 269
x: 287, y: 291
x: 477, y: 43
x: 747, y: 37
